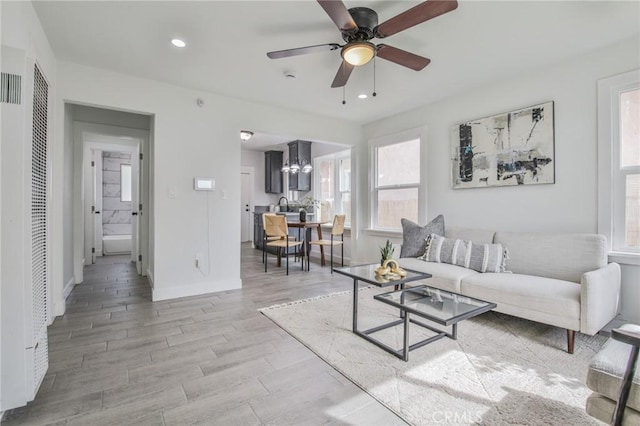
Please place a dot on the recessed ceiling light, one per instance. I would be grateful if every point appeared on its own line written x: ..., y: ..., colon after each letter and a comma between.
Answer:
x: 178, y: 42
x: 362, y: 96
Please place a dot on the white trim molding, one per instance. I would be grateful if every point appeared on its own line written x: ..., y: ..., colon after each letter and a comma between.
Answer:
x: 68, y: 288
x: 608, y: 152
x: 196, y: 289
x: 418, y: 133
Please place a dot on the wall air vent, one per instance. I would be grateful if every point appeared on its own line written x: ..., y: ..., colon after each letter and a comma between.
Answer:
x: 10, y: 88
x: 39, y: 231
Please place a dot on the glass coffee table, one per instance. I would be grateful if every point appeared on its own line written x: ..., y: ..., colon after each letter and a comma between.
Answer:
x: 435, y: 305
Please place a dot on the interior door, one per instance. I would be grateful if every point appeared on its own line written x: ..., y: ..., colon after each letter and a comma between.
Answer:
x: 245, y: 207
x: 96, y: 201
x: 136, y: 209
x: 98, y: 231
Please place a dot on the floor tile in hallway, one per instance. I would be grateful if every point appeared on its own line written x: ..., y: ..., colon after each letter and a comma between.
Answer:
x: 118, y: 358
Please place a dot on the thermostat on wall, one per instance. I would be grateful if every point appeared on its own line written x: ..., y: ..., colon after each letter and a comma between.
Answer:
x: 204, y: 184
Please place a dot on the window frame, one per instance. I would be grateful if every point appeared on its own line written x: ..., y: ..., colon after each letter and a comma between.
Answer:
x: 394, y: 139
x: 334, y: 158
x: 611, y: 176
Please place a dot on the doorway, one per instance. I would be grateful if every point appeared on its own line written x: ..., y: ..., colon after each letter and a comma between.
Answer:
x: 246, y: 204
x: 111, y: 197
x: 113, y: 185
x: 115, y: 193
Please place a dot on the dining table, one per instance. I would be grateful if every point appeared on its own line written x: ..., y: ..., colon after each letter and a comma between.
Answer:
x: 307, y: 226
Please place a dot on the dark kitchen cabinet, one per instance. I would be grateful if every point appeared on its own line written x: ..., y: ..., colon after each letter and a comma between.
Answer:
x: 273, y: 172
x: 300, y: 151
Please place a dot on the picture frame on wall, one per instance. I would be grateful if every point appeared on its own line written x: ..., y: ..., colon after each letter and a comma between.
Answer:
x: 508, y: 149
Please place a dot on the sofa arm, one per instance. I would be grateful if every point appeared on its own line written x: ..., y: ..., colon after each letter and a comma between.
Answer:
x: 397, y: 248
x: 599, y: 298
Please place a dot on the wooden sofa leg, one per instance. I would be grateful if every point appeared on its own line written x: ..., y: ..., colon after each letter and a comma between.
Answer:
x: 571, y: 339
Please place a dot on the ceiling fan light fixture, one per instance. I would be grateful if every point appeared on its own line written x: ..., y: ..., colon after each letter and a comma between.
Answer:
x: 245, y: 135
x: 178, y: 42
x: 358, y: 53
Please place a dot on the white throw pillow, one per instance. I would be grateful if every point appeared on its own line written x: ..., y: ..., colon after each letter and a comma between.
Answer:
x: 479, y: 257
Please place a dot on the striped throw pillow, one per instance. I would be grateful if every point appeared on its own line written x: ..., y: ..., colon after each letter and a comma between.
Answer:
x: 479, y: 257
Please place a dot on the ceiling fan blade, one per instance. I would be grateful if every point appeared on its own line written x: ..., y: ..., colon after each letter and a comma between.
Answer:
x: 303, y: 50
x: 414, y: 16
x: 343, y: 74
x: 339, y: 14
x: 402, y: 57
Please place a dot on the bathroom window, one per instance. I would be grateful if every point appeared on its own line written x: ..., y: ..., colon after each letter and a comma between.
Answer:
x: 125, y: 182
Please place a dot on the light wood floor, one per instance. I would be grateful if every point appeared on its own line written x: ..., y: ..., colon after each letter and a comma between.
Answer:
x: 118, y: 358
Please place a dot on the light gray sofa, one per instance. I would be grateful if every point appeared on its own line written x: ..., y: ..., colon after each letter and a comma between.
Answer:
x: 557, y: 279
x: 604, y: 378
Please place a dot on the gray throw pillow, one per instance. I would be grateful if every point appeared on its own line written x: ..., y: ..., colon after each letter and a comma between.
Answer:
x: 479, y: 257
x: 414, y: 235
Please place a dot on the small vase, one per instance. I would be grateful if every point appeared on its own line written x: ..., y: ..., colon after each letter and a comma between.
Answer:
x: 303, y: 215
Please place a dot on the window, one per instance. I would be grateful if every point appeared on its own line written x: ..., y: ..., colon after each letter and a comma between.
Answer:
x: 333, y: 186
x: 396, y: 183
x: 628, y: 191
x: 619, y: 161
x: 125, y: 182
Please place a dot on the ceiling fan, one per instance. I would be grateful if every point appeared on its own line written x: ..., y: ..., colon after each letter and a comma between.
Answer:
x: 359, y: 25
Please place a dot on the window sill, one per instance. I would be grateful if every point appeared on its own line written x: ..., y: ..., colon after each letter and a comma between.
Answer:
x: 384, y: 232
x: 624, y: 258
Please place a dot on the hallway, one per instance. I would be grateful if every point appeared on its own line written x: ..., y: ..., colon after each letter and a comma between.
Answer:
x: 118, y: 358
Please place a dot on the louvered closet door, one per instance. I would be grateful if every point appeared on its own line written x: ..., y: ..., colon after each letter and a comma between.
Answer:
x: 39, y: 235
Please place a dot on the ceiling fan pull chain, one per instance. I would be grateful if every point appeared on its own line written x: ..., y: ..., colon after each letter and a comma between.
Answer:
x: 374, y: 77
x: 343, y: 91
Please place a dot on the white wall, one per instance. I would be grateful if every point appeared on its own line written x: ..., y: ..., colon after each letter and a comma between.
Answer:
x: 192, y: 141
x: 68, y: 277
x: 569, y: 205
x: 130, y: 120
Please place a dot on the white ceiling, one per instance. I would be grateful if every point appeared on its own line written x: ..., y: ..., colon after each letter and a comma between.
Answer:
x: 227, y: 41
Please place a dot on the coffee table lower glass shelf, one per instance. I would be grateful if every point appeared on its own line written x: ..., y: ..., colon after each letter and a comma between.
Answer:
x: 435, y: 305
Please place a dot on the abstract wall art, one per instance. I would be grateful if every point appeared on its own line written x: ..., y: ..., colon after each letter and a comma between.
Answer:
x: 514, y: 148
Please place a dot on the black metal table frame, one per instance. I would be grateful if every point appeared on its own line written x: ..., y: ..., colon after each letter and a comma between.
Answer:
x: 405, y: 312
x: 405, y: 319
x: 399, y: 284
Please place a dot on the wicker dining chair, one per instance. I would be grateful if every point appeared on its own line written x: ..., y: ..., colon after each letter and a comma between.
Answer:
x: 336, y: 230
x: 276, y: 234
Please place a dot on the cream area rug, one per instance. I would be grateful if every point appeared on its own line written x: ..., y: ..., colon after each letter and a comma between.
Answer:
x: 501, y: 370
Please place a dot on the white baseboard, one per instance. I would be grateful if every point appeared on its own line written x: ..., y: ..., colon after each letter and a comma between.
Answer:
x: 68, y: 288
x: 150, y: 278
x: 196, y: 289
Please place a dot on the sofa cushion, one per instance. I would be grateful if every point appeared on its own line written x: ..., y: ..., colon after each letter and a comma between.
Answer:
x: 607, y: 369
x: 445, y: 276
x: 414, y: 235
x: 561, y: 298
x: 602, y: 408
x: 479, y: 257
x: 559, y: 256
